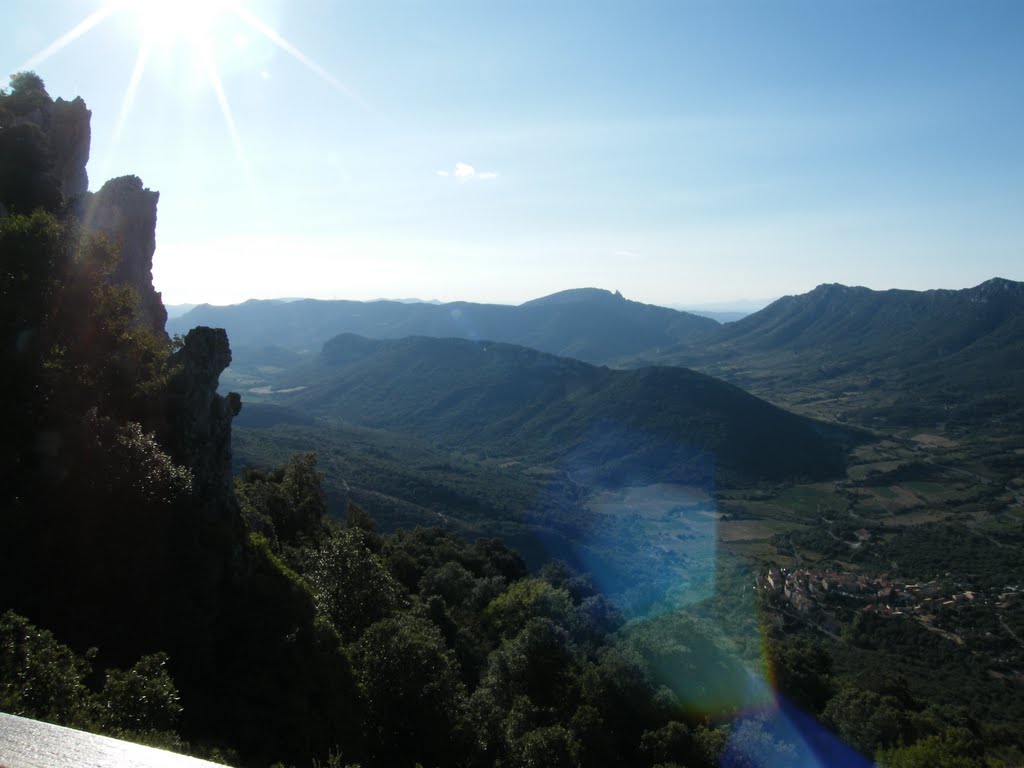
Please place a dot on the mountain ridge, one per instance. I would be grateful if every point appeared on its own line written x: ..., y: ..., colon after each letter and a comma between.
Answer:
x: 649, y: 424
x: 591, y: 324
x: 880, y: 358
x: 932, y: 355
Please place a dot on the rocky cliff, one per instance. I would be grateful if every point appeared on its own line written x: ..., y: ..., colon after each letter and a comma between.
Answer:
x: 68, y: 125
x: 199, y: 420
x: 125, y: 211
x: 44, y: 149
x: 65, y: 127
x: 118, y: 548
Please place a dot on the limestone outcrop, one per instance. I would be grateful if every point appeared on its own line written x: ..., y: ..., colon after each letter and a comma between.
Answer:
x: 125, y: 211
x: 44, y: 149
x: 66, y: 134
x: 199, y: 420
x: 70, y: 135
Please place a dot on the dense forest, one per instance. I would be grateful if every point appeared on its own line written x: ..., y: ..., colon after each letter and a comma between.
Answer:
x: 147, y: 593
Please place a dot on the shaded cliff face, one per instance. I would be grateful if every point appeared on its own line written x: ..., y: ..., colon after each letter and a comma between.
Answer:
x: 125, y: 211
x: 199, y: 420
x: 197, y: 432
x: 65, y: 129
x: 70, y: 135
x: 44, y: 148
x: 123, y: 540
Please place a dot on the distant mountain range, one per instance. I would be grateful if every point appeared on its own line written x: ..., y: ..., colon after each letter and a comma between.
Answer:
x: 588, y: 324
x: 879, y: 358
x: 887, y: 357
x: 177, y: 310
x: 498, y: 439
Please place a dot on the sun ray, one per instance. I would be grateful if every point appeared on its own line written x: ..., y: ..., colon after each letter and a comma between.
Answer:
x: 165, y: 21
x: 210, y: 65
x: 72, y: 34
x: 128, y: 100
x: 273, y: 36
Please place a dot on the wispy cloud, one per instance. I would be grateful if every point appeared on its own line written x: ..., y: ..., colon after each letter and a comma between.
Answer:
x: 466, y: 172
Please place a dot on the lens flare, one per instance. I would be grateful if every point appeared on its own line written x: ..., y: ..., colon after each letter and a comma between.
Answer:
x: 79, y: 29
x: 695, y: 614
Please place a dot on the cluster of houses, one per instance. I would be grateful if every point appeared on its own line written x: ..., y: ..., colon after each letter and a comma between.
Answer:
x: 805, y: 589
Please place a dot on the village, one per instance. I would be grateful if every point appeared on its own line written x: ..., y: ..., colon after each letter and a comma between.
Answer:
x: 825, y: 591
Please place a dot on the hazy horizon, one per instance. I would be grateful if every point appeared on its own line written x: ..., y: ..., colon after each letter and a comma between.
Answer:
x: 681, y: 153
x: 740, y: 304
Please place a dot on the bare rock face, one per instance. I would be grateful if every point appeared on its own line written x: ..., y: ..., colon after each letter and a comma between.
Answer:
x: 125, y: 211
x: 199, y: 420
x: 207, y: 540
x: 66, y: 135
x: 70, y: 136
x: 44, y: 148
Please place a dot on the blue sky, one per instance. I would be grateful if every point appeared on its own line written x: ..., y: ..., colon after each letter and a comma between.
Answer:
x: 680, y: 152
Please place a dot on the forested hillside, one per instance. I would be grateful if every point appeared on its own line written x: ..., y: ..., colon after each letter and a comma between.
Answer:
x: 885, y: 358
x: 499, y: 440
x: 836, y: 351
x: 647, y: 425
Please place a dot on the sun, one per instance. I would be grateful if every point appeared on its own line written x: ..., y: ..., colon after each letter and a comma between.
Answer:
x: 170, y: 21
x: 168, y: 24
